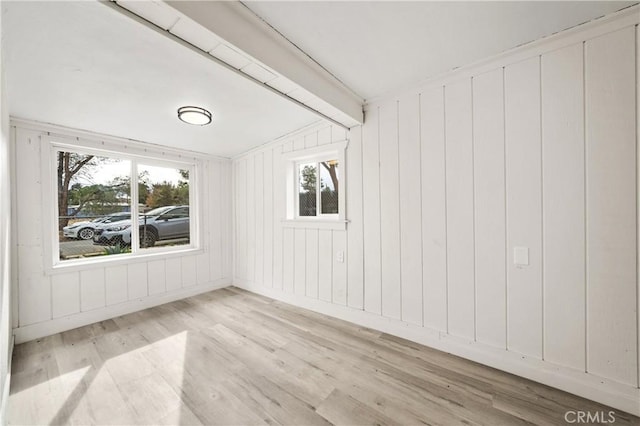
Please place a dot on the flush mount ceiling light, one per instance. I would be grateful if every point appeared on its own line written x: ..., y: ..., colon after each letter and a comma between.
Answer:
x: 194, y: 115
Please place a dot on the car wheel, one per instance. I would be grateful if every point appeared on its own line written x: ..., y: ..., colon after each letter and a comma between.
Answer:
x: 85, y: 234
x: 147, y: 239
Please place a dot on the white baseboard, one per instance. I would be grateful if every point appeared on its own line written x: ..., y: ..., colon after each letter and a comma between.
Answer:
x: 58, y: 325
x: 605, y: 391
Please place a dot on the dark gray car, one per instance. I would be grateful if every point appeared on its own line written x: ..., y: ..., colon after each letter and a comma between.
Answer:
x: 163, y: 223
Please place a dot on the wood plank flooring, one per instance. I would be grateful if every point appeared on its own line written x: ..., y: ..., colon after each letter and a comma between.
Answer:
x: 230, y: 357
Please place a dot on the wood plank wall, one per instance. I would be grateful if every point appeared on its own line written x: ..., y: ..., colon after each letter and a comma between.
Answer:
x: 45, y: 298
x: 445, y: 181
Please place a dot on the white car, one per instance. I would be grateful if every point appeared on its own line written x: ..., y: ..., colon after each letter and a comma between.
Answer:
x: 85, y: 230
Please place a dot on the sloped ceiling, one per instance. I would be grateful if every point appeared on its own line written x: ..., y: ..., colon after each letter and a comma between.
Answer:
x: 376, y: 47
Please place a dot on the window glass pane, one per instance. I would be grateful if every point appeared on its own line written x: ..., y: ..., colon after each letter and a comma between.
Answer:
x: 329, y: 186
x: 93, y: 193
x: 307, y: 178
x: 163, y: 200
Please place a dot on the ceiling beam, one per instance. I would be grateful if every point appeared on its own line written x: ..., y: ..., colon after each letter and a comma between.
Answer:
x: 239, y: 26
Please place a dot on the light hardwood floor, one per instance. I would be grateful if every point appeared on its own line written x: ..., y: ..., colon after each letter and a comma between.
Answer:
x: 234, y: 358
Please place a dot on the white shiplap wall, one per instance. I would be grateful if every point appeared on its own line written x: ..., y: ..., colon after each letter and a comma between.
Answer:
x: 51, y: 301
x: 293, y: 260
x: 536, y: 150
x: 6, y: 346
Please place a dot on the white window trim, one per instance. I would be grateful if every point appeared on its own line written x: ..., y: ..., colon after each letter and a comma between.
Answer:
x: 53, y: 144
x: 332, y: 151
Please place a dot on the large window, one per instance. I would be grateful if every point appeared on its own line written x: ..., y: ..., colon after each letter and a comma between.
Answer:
x: 113, y: 204
x: 315, y: 186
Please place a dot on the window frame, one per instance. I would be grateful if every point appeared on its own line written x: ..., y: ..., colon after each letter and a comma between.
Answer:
x: 319, y: 214
x: 334, y: 151
x: 54, y: 144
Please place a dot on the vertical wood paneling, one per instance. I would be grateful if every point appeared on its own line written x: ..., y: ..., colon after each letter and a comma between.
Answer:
x: 489, y: 181
x: 116, y: 284
x: 611, y: 206
x: 324, y: 135
x: 288, y: 260
x: 311, y: 269
x: 371, y: 212
x: 227, y: 224
x: 298, y: 143
x: 563, y: 189
x: 443, y: 184
x: 137, y: 280
x: 92, y: 289
x: 251, y: 218
x: 189, y: 271
x: 65, y: 292
x: 29, y: 202
x: 355, y: 260
x: 241, y: 221
x: 434, y: 221
x: 389, y: 210
x: 217, y: 220
x: 44, y: 294
x: 268, y: 218
x: 202, y: 269
x: 299, y: 262
x: 460, y: 232
x: 287, y: 146
x: 311, y: 140
x: 410, y: 208
x: 157, y: 276
x: 278, y: 215
x: 259, y: 218
x: 638, y: 203
x: 325, y: 265
x: 34, y: 292
x: 173, y: 269
x: 524, y: 205
x: 339, y: 295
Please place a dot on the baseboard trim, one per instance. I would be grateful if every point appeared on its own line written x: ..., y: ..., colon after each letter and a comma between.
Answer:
x: 58, y: 325
x: 605, y: 391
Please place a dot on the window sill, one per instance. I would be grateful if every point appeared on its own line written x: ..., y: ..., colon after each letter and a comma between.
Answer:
x: 336, y: 225
x: 118, y: 259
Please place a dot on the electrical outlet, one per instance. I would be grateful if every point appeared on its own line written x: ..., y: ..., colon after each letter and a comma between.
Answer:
x: 340, y: 256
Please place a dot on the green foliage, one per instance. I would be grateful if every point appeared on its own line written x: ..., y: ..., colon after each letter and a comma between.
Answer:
x: 308, y: 178
x: 123, y: 185
x: 167, y: 194
x: 117, y: 249
x: 96, y: 199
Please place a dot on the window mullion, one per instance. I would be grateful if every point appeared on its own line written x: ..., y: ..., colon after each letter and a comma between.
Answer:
x: 318, y: 197
x: 296, y: 190
x: 135, y: 237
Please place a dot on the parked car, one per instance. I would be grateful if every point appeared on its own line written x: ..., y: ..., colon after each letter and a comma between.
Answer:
x: 163, y: 223
x: 85, y: 230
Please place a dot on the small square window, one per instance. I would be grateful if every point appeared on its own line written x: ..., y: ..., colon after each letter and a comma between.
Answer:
x: 318, y: 187
x: 315, y: 186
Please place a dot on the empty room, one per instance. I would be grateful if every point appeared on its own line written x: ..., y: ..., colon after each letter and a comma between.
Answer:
x: 346, y: 212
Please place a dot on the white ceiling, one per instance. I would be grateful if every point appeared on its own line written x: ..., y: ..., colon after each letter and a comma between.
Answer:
x: 87, y: 66
x: 84, y: 65
x: 378, y: 47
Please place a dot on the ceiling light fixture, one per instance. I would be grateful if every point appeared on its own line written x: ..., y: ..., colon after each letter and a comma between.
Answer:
x: 194, y: 115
